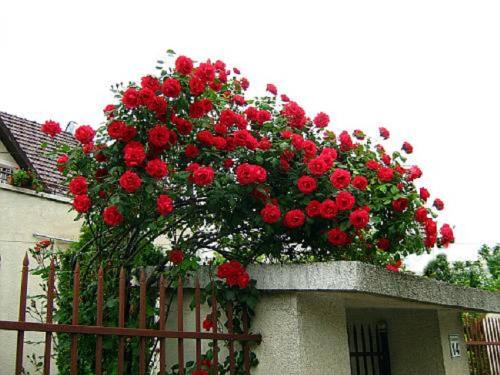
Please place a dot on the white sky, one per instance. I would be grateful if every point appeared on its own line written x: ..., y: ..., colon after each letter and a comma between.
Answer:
x: 429, y: 71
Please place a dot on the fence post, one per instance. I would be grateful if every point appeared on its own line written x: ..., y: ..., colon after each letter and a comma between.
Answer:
x: 22, y: 315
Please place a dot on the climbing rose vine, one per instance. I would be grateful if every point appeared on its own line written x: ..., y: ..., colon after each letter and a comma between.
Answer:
x: 186, y: 155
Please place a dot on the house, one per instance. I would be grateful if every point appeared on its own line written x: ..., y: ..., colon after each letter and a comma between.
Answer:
x: 28, y: 216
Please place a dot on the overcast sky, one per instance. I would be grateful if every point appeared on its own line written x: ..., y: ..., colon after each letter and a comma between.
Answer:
x: 429, y: 71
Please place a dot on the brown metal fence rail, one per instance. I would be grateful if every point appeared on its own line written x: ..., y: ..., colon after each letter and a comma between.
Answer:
x: 143, y: 333
x: 482, y: 337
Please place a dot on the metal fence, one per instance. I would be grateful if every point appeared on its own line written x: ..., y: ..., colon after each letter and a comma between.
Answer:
x: 482, y: 337
x: 143, y: 333
x: 368, y: 349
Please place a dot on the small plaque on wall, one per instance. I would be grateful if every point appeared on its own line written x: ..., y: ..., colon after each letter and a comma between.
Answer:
x: 454, y: 346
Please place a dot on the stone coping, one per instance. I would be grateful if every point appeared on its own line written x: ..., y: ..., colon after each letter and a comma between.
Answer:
x: 358, y: 277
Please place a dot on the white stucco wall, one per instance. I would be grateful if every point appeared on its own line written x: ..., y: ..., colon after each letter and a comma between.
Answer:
x: 24, y: 213
x: 5, y: 157
x: 451, y: 324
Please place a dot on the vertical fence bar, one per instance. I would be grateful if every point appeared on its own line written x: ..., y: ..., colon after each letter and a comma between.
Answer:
x: 142, y: 322
x: 163, y: 319
x: 230, y: 328
x: 214, y: 329
x: 180, y: 325
x: 22, y: 315
x: 74, y: 321
x: 355, y: 337
x: 363, y: 345
x: 121, y: 321
x: 372, y: 350
x: 246, y: 348
x: 48, y: 319
x: 197, y: 301
x: 100, y: 302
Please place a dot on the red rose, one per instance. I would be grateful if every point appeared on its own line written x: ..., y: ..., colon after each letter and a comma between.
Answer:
x: 359, y: 182
x: 117, y: 129
x: 245, y: 83
x: 294, y: 219
x: 421, y: 214
x: 146, y: 96
x: 408, y: 148
x: 438, y: 203
x: 248, y: 173
x: 131, y: 98
x: 51, y: 128
x: 447, y: 236
x: 196, y: 86
x: 340, y: 178
x: 191, y: 151
x: 400, y: 204
x: 317, y: 166
x: 307, y: 184
x: 81, y: 203
x: 157, y: 168
x: 424, y: 194
x: 200, y: 108
x: 385, y: 174
x: 133, y: 154
x: 164, y: 204
x: 78, y: 185
x: 413, y: 173
x: 171, y: 88
x: 129, y: 134
x: 321, y: 120
x: 183, y: 65
x: 130, y: 181
x: 386, y: 159
x: 227, y: 163
x: 205, y: 71
x: 203, y: 176
x: 272, y: 89
x: 207, y: 323
x: 313, y: 208
x: 344, y: 201
x: 176, y: 256
x: 359, y: 218
x: 84, y: 134
x: 243, y: 280
x: 394, y: 267
x: 384, y: 133
x: 108, y: 110
x: 150, y: 83
x: 337, y: 237
x: 183, y: 126
x: 345, y: 141
x: 159, y: 136
x: 61, y: 162
x: 328, y: 209
x: 112, y: 216
x: 383, y: 243
x: 329, y: 155
x: 373, y: 165
x: 158, y: 105
x: 263, y: 116
x: 270, y: 213
x: 295, y: 115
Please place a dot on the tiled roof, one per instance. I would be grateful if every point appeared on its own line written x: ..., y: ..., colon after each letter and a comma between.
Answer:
x: 25, y: 139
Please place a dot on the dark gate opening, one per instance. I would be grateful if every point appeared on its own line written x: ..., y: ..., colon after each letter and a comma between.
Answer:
x: 369, y: 349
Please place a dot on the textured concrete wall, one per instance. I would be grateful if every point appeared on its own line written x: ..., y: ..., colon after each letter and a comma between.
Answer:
x: 22, y: 215
x: 451, y: 324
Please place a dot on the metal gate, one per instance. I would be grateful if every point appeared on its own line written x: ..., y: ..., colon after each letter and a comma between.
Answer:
x: 369, y: 349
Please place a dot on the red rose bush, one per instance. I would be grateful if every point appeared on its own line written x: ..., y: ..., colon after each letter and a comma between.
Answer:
x: 186, y: 155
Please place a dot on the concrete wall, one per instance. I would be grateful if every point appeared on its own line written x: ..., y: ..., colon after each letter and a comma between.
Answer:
x: 24, y: 213
x: 450, y: 324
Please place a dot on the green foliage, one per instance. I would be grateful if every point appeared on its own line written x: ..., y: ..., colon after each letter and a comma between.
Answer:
x: 482, y: 273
